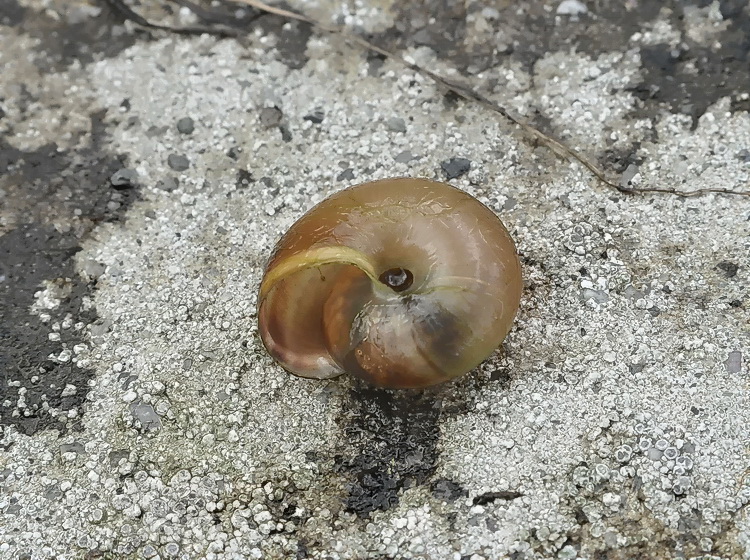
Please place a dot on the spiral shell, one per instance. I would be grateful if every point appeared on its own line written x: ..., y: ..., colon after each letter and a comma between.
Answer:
x: 403, y: 282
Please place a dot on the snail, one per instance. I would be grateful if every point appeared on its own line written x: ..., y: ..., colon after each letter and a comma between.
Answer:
x: 402, y: 282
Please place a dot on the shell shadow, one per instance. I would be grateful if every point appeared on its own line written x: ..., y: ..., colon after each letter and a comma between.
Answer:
x: 396, y: 434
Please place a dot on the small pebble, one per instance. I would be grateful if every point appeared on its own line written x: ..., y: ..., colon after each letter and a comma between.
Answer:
x: 146, y: 415
x: 734, y: 362
x: 316, y: 117
x: 270, y: 116
x: 404, y: 157
x: 185, y: 125
x: 396, y: 124
x: 346, y: 175
x: 124, y: 178
x: 178, y: 162
x: 455, y: 167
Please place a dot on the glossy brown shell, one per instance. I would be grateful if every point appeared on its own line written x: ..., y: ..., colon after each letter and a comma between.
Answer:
x: 323, y: 308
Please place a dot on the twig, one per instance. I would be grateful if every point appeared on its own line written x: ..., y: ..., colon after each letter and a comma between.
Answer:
x: 460, y: 90
x: 472, y: 95
x: 124, y: 10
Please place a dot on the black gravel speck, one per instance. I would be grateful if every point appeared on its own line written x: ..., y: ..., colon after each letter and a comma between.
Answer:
x: 185, y: 125
x: 316, y: 117
x: 489, y: 497
x: 271, y: 116
x: 346, y: 175
x: 178, y: 162
x: 455, y: 167
x: 244, y: 178
x: 729, y: 268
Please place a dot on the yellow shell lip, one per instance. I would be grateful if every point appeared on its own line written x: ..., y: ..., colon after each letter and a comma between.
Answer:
x: 349, y: 270
x: 314, y: 258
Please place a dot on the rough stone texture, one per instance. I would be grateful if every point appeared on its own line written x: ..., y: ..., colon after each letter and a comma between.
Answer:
x: 140, y: 415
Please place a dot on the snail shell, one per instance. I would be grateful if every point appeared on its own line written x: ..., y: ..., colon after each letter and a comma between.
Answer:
x: 402, y: 282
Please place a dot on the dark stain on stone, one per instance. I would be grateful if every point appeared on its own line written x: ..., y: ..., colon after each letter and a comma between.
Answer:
x: 618, y: 160
x: 30, y: 254
x: 491, y: 497
x: 73, y: 37
x: 244, y: 179
x: 447, y: 490
x: 292, y: 39
x: 412, y: 28
x: 455, y: 167
x: 694, y: 76
x: 396, y: 433
x: 11, y: 13
x: 52, y: 185
x: 687, y: 79
x: 728, y: 268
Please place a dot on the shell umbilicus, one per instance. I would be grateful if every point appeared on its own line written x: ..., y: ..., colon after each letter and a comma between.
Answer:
x: 404, y: 283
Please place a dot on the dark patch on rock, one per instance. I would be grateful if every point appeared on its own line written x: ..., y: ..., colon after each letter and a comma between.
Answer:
x: 728, y: 268
x: 346, y: 175
x: 167, y: 184
x: 286, y: 134
x: 29, y: 255
x: 490, y: 497
x: 74, y: 36
x: 621, y: 161
x: 316, y: 117
x: 292, y: 40
x: 11, y: 13
x: 636, y: 368
x: 501, y: 376
x: 447, y: 490
x: 691, y: 80
x: 413, y: 28
x: 375, y: 62
x: 270, y: 116
x: 455, y: 167
x: 45, y: 185
x: 244, y: 178
x: 687, y: 79
x: 396, y: 433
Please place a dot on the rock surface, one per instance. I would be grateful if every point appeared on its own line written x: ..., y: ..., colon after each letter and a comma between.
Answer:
x: 141, y: 417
